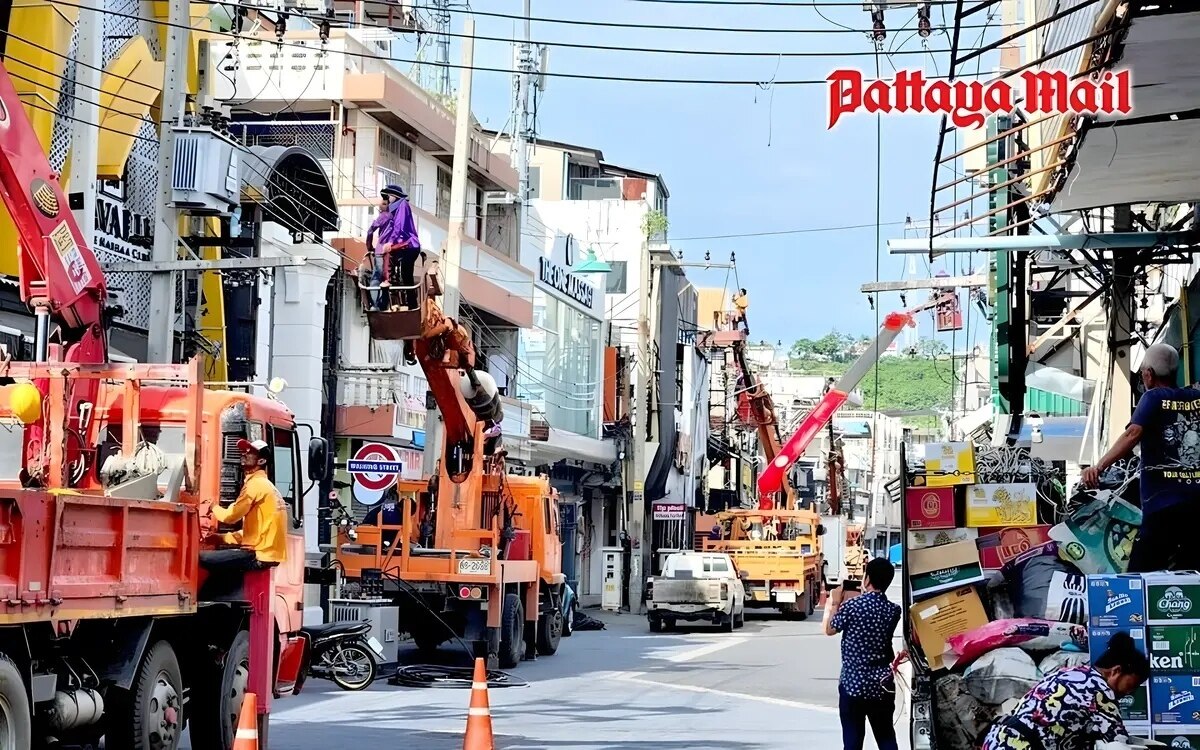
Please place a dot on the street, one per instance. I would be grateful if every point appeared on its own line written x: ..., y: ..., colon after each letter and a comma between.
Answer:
x: 769, y: 686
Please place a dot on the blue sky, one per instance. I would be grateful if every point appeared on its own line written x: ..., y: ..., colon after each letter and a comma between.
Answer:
x: 741, y: 160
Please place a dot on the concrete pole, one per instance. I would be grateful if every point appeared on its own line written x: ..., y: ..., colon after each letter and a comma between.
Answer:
x: 524, y: 65
x: 85, y: 136
x: 161, y: 339
x: 639, y: 525
x: 452, y: 256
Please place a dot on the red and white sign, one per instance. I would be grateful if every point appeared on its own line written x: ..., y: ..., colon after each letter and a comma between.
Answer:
x: 968, y: 104
x: 669, y: 511
x: 374, y: 469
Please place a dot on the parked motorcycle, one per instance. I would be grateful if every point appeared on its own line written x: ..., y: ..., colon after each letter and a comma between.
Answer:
x: 341, y: 652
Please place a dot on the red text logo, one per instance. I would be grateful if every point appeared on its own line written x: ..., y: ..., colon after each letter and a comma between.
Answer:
x: 968, y: 104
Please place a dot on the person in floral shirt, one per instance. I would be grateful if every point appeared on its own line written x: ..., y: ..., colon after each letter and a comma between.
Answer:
x: 1074, y: 708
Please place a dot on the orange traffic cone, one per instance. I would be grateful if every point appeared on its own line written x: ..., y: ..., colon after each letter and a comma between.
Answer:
x: 479, y: 715
x: 246, y: 735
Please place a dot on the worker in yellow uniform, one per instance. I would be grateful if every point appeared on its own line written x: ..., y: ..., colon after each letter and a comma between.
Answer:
x: 259, y: 507
x: 741, y: 302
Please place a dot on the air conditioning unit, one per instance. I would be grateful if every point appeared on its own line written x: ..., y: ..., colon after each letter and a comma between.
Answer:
x: 205, y: 179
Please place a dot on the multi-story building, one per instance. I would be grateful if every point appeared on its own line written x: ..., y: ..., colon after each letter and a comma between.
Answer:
x: 871, y: 446
x: 368, y: 126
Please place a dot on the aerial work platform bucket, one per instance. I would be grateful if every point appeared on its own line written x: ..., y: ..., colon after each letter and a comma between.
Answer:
x: 408, y: 324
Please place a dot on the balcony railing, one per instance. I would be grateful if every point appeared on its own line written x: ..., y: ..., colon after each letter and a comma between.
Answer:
x: 377, y: 387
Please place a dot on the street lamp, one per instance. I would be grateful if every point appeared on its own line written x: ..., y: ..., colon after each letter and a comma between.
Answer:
x: 591, y: 264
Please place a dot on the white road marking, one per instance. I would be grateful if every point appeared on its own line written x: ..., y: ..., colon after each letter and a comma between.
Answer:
x: 636, y: 677
x: 711, y: 648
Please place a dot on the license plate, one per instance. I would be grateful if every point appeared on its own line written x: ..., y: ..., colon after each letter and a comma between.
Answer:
x: 786, y: 597
x: 474, y: 566
x: 376, y: 646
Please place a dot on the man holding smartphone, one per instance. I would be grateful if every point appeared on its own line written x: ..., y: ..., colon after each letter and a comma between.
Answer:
x: 867, y: 688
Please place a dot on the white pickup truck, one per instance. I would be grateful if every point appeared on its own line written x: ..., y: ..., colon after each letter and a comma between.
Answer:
x: 696, y: 586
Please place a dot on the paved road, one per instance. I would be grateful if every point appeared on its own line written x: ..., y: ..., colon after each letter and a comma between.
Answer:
x: 769, y: 686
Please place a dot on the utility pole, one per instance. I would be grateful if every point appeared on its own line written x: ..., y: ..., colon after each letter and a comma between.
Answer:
x: 638, y: 530
x: 452, y: 256
x: 161, y: 339
x: 84, y: 135
x: 525, y: 117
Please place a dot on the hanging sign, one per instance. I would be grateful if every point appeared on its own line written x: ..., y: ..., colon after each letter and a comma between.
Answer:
x: 669, y: 511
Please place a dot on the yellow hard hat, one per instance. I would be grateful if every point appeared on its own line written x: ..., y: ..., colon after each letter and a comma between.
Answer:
x: 25, y: 401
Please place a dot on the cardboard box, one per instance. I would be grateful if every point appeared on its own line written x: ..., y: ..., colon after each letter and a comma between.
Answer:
x: 1135, y: 707
x: 1098, y: 639
x: 1174, y: 649
x: 950, y: 566
x: 918, y: 539
x: 998, y: 547
x: 929, y: 507
x: 1116, y: 601
x: 1004, y: 505
x: 1175, y: 699
x: 938, y: 619
x: 956, y: 460
x: 1173, y: 598
x: 1181, y: 736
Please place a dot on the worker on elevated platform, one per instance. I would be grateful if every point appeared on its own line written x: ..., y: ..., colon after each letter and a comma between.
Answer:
x: 375, y: 264
x: 403, y: 247
x: 741, y: 302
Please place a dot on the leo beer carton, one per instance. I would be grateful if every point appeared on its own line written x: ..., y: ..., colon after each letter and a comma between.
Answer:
x: 1173, y: 598
x: 1098, y: 639
x: 1181, y: 737
x: 1116, y: 601
x: 1174, y: 649
x: 1175, y: 699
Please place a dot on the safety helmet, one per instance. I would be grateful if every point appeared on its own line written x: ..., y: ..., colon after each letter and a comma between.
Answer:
x: 393, y: 190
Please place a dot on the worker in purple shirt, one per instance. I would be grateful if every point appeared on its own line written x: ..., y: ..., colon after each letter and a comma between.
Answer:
x: 379, y: 235
x: 403, y: 245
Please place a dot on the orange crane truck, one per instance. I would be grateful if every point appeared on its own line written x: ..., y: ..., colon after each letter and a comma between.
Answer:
x: 776, y: 547
x: 479, y: 557
x: 120, y: 619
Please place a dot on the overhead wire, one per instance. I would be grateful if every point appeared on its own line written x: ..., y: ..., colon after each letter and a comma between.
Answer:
x: 487, y: 69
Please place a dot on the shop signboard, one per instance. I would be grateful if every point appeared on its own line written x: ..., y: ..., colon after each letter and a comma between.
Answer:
x: 669, y: 511
x: 374, y: 469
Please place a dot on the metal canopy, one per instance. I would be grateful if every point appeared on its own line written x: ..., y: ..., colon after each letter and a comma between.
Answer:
x: 1095, y: 241
x: 1146, y: 157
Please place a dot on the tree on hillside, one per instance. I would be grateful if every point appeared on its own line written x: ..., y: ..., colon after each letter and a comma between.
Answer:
x: 931, y: 348
x: 804, y: 348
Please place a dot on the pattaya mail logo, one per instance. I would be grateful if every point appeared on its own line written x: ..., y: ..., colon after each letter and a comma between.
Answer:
x: 968, y: 104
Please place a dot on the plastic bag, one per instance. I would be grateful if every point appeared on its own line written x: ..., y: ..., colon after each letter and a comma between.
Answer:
x: 1001, y: 675
x: 1098, y: 537
x: 1061, y: 660
x: 1031, y: 582
x: 1029, y: 634
x: 961, y: 718
x: 1067, y: 600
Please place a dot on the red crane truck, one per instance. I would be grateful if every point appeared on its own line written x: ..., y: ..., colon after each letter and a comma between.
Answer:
x: 118, y: 617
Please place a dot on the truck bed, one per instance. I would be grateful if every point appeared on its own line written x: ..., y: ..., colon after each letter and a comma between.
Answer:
x: 71, y: 556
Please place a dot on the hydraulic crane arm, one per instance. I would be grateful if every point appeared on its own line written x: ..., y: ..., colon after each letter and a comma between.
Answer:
x: 762, y: 410
x: 60, y: 276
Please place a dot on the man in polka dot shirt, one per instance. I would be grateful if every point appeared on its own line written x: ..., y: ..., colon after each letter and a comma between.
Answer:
x: 867, y: 687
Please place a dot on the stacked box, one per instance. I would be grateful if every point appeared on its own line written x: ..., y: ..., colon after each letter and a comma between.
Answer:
x: 1117, y: 604
x: 1173, y: 633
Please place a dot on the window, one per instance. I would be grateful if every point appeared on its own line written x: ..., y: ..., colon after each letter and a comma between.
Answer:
x: 616, y: 278
x: 12, y: 450
x: 535, y: 182
x: 169, y: 440
x: 442, y: 208
x: 283, y: 464
x: 394, y: 158
x: 719, y: 565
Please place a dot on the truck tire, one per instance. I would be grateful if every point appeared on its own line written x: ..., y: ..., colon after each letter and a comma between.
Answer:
x: 656, y: 625
x: 216, y: 702
x: 811, y: 593
x: 512, y: 630
x: 150, y: 715
x: 16, y: 725
x: 550, y: 632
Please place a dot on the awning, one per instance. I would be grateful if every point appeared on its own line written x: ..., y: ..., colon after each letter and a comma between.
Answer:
x: 1062, y: 437
x: 563, y: 445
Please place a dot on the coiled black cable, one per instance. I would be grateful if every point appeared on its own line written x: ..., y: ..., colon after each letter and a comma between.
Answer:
x: 432, y: 676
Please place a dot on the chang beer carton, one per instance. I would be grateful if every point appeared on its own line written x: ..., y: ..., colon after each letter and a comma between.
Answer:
x: 1135, y: 708
x: 1181, y: 737
x: 1174, y: 649
x: 1173, y: 598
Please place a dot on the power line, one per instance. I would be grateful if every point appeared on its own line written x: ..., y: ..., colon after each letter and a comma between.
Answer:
x: 671, y: 27
x: 811, y: 230
x: 774, y: 3
x: 484, y: 69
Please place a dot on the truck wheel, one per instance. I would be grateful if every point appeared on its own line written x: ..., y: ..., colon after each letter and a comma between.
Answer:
x: 810, y: 596
x: 216, y: 704
x: 16, y: 726
x: 427, y: 641
x: 151, y: 713
x: 656, y: 625
x: 728, y: 623
x: 512, y: 628
x: 550, y: 632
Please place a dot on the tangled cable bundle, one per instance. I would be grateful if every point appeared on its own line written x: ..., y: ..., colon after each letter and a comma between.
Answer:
x: 433, y: 676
